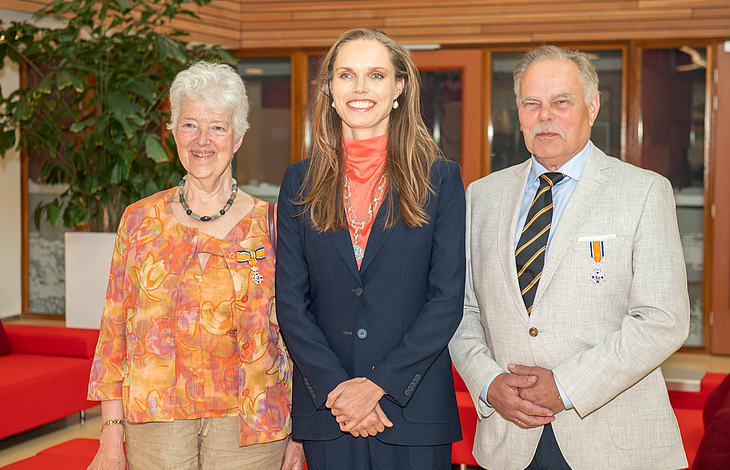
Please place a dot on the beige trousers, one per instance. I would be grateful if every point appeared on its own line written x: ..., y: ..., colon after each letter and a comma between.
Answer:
x: 194, y: 444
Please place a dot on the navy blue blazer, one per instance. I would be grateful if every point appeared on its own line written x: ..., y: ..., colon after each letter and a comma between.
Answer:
x: 389, y: 321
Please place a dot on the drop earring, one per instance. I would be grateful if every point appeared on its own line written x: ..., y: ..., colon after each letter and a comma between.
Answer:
x: 333, y: 103
x: 395, y: 104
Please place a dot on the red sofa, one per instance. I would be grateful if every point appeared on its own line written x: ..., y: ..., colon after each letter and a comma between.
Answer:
x: 45, y: 375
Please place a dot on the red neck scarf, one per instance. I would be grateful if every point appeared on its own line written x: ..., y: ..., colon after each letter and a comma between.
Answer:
x: 364, y: 165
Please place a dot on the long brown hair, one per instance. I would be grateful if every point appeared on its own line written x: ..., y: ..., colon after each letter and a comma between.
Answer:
x: 410, y: 153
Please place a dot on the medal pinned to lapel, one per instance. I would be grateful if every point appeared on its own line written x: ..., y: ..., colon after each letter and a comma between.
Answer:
x: 597, y: 254
x: 252, y: 257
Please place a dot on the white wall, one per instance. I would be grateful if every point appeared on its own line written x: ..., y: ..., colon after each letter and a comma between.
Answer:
x: 9, y: 212
x: 10, y: 294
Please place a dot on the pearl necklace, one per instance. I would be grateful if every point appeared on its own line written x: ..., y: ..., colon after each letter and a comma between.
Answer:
x: 207, y: 218
x: 357, y: 226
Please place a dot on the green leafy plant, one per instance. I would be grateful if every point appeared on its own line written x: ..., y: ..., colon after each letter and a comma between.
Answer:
x: 95, y: 103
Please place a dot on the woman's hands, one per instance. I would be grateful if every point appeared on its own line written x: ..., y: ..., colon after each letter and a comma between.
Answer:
x: 110, y: 455
x: 354, y: 403
x: 293, y: 456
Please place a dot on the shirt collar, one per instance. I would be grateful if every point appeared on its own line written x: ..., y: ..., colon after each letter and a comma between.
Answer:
x: 572, y: 168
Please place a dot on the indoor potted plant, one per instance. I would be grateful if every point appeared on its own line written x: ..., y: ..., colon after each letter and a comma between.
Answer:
x: 94, y: 106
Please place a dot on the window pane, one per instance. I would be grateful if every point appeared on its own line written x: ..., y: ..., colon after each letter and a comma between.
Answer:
x: 265, y: 153
x: 313, y: 64
x: 673, y: 114
x: 441, y: 109
x: 507, y: 144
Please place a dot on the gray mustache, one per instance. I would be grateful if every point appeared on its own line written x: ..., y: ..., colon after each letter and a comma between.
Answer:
x: 547, y: 127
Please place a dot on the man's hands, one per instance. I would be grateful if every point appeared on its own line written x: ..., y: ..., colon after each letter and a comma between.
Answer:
x: 528, y: 396
x: 544, y: 392
x: 355, y: 405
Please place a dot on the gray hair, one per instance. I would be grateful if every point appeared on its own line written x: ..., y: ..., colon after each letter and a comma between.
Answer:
x: 217, y: 86
x: 587, y: 70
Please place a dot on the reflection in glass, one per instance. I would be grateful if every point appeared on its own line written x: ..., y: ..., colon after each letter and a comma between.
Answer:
x: 508, y: 146
x: 313, y: 64
x: 673, y: 114
x: 441, y: 109
x: 265, y: 153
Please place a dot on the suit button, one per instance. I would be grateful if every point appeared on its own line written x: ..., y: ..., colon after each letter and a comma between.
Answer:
x: 358, y: 291
x: 362, y: 333
x: 533, y: 332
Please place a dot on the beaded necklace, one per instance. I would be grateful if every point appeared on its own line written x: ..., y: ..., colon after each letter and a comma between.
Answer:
x: 207, y: 218
x: 357, y: 226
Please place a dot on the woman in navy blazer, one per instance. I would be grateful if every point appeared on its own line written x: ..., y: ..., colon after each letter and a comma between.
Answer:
x: 372, y: 386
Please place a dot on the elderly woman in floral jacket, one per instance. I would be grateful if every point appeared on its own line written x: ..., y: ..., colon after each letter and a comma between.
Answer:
x: 190, y: 367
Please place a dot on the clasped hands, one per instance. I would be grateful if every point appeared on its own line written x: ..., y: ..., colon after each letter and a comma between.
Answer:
x: 355, y: 405
x: 528, y: 396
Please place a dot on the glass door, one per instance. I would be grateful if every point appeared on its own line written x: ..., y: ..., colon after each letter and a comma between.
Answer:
x: 672, y: 137
x: 451, y: 105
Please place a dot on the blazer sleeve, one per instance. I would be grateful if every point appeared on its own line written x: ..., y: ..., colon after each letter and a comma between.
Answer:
x: 320, y: 367
x: 657, y: 321
x: 470, y: 352
x: 428, y: 336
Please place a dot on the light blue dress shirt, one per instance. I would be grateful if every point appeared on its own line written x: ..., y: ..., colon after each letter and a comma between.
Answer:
x: 561, y: 194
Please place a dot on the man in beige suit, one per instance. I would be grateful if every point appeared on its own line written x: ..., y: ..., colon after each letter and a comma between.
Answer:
x: 567, y: 351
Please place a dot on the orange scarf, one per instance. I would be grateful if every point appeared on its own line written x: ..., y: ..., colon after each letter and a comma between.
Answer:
x: 364, y: 164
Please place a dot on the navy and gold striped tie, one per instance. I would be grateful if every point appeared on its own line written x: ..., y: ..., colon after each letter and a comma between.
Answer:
x: 530, y: 253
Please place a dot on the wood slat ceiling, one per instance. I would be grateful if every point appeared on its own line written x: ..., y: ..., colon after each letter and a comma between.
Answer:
x: 262, y: 24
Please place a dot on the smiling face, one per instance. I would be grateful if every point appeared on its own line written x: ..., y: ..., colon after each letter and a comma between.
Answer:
x: 554, y: 118
x: 363, y: 88
x: 205, y: 142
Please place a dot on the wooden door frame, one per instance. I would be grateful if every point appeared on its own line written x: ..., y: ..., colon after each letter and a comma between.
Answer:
x: 719, y: 205
x: 469, y: 62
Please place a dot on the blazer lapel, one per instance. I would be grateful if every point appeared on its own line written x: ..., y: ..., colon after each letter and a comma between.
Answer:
x: 509, y: 215
x: 586, y: 194
x: 343, y: 244
x: 378, y: 233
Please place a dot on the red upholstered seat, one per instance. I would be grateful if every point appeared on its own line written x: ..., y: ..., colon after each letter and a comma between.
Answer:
x: 692, y: 430
x: 696, y: 400
x: 44, y: 358
x: 75, y: 454
x: 48, y: 462
x: 461, y: 452
x: 82, y: 447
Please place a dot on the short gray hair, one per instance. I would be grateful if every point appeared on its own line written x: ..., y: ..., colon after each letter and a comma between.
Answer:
x: 587, y: 70
x: 217, y: 86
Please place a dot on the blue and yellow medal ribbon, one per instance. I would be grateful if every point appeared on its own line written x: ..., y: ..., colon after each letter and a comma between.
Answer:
x: 251, y: 257
x: 597, y: 251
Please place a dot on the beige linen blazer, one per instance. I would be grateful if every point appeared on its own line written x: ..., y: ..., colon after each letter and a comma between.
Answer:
x: 604, y: 342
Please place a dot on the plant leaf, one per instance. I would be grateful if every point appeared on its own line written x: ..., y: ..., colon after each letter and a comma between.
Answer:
x: 23, y: 112
x: 138, y: 88
x: 120, y: 105
x: 63, y: 79
x: 80, y: 126
x: 155, y: 150
x: 124, y: 5
x: 45, y: 85
x: 54, y: 213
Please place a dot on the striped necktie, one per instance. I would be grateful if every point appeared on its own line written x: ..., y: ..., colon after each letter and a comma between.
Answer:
x: 530, y: 253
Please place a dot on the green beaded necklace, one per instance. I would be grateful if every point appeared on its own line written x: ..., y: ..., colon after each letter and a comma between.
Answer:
x: 207, y: 218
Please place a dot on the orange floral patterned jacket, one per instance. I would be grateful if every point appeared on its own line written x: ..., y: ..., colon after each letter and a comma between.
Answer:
x: 180, y: 342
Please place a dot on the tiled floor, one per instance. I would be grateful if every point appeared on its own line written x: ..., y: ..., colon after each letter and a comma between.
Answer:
x: 29, y: 443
